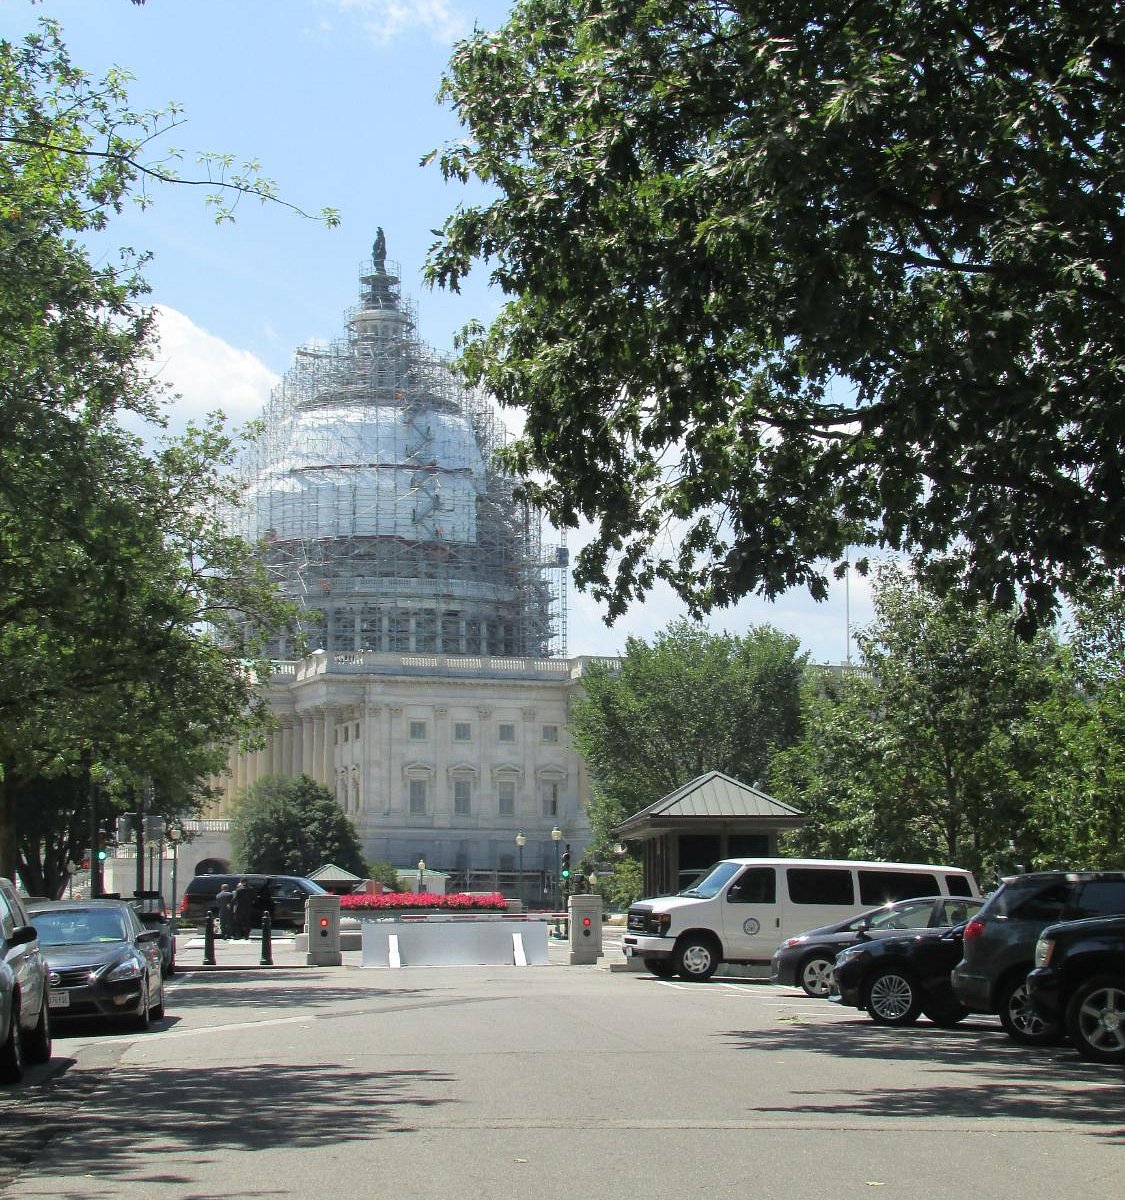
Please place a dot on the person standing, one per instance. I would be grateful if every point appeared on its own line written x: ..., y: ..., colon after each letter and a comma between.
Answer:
x: 243, y: 905
x: 224, y: 902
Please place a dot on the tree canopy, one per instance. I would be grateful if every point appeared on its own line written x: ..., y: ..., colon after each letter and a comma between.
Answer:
x: 960, y: 742
x: 291, y: 827
x: 785, y: 279
x: 125, y: 604
x: 686, y: 703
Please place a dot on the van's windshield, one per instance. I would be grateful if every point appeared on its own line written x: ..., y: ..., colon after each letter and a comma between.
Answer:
x: 713, y: 882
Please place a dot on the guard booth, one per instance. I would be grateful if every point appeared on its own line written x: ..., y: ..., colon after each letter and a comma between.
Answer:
x: 692, y: 828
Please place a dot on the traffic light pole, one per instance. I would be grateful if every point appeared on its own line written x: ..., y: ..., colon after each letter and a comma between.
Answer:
x: 95, y: 838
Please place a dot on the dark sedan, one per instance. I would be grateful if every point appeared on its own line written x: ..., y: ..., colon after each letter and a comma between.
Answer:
x: 103, y: 962
x: 806, y: 960
x: 898, y: 978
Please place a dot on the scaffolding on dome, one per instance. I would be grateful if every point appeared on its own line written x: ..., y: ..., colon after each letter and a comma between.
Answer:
x: 373, y: 494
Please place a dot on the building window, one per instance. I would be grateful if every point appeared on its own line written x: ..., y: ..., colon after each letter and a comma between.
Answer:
x: 550, y: 799
x: 417, y: 797
x: 506, y: 793
x: 417, y: 731
x: 357, y: 731
x: 345, y: 734
x: 462, y: 731
x: 550, y: 733
x: 462, y: 794
x: 506, y: 733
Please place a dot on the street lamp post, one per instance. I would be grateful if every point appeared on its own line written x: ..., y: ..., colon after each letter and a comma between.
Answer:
x: 556, y: 837
x: 173, y: 835
x: 521, y: 841
x: 421, y: 874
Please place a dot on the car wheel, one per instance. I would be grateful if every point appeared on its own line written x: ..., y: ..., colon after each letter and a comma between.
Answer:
x: 1021, y: 1022
x: 11, y: 1052
x: 696, y: 958
x: 157, y: 1009
x: 814, y: 975
x: 662, y: 968
x: 946, y: 1018
x: 892, y: 999
x: 1095, y: 1019
x: 38, y: 1048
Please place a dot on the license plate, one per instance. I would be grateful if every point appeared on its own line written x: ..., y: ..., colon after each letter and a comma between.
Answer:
x: 58, y: 999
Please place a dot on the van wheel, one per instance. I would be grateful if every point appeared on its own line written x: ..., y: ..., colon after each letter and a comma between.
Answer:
x: 815, y: 975
x: 11, y: 1052
x: 662, y: 968
x: 1095, y: 1019
x: 1021, y: 1022
x: 696, y: 958
x: 892, y: 999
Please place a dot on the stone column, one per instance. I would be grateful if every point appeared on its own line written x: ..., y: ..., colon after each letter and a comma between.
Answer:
x: 285, y: 766
x: 328, y: 747
x: 308, y: 759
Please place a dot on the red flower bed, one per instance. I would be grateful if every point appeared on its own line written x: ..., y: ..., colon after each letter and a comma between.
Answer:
x: 456, y: 902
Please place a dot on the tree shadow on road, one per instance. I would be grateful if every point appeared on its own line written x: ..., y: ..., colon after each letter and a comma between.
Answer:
x: 978, y: 1073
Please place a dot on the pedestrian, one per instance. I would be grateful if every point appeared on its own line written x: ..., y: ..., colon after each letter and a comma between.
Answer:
x: 243, y: 906
x: 224, y: 902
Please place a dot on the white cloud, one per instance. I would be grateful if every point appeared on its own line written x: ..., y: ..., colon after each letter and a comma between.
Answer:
x: 207, y: 373
x: 386, y: 20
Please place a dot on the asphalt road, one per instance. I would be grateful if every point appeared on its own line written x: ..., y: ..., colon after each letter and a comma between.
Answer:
x: 451, y: 1083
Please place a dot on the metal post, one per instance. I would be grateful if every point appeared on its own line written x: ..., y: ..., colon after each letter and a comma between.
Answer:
x: 209, y: 941
x: 267, y: 941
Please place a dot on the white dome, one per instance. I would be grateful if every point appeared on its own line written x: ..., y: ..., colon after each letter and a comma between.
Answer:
x: 370, y: 471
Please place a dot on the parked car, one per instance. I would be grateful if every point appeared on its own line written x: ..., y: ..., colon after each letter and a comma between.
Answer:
x: 896, y: 979
x: 153, y: 913
x: 282, y: 896
x: 740, y: 909
x: 25, y: 1019
x: 103, y: 962
x: 1000, y: 942
x: 1079, y: 981
x: 806, y: 960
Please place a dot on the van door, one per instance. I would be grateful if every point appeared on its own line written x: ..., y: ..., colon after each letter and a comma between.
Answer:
x: 751, y: 915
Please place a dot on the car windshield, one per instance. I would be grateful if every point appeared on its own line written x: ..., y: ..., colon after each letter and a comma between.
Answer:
x: 714, y: 881
x: 75, y: 927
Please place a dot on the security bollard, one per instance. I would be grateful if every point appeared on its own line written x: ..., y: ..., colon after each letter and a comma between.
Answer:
x: 267, y: 941
x: 209, y: 941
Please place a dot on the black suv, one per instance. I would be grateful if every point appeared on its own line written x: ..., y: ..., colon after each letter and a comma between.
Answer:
x: 1079, y: 981
x: 282, y: 896
x: 1000, y: 942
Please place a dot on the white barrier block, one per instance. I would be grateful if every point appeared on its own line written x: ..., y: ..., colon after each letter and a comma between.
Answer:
x: 394, y: 959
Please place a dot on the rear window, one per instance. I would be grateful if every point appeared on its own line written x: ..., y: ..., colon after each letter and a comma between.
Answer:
x: 820, y: 885
x: 1030, y: 900
x: 1101, y: 898
x: 881, y: 887
x: 958, y: 885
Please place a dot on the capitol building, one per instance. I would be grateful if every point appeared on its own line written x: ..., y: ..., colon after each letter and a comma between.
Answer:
x: 434, y: 698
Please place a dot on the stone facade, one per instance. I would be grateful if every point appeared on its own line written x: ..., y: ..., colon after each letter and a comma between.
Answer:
x: 445, y: 758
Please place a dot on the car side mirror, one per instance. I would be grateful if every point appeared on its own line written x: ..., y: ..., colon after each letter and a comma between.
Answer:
x: 22, y: 934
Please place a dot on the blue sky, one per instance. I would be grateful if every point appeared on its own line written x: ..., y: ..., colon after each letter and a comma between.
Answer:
x: 336, y: 98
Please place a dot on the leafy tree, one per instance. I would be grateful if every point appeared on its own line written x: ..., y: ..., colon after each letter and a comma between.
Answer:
x: 689, y: 702
x: 124, y: 604
x: 789, y: 278
x: 928, y: 758
x: 384, y: 873
x: 292, y: 826
x: 1076, y: 796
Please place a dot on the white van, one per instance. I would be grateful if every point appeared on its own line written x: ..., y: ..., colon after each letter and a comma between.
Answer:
x: 743, y: 907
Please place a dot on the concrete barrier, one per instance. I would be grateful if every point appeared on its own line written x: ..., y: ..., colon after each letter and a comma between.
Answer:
x: 440, y: 940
